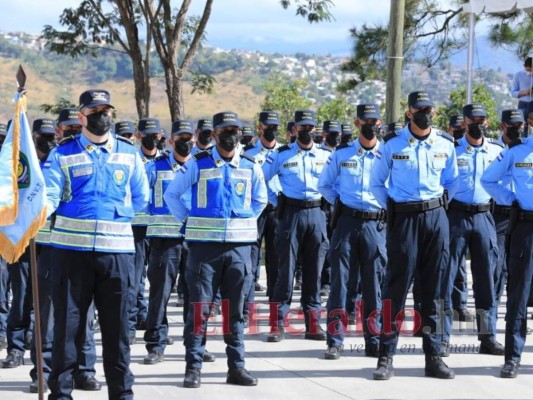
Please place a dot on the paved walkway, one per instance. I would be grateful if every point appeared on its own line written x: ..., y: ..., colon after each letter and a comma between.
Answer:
x: 295, y: 369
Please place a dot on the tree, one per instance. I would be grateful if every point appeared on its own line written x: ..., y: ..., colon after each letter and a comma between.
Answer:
x: 313, y: 10
x: 431, y: 34
x: 337, y: 109
x: 480, y: 94
x: 285, y: 98
x: 90, y: 29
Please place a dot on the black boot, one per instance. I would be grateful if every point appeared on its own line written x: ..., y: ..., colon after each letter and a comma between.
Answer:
x: 437, y: 368
x: 384, y: 370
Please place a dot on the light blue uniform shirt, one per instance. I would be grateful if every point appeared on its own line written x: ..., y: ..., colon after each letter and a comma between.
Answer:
x: 347, y: 176
x: 260, y: 153
x: 522, y: 80
x: 195, y: 149
x: 417, y: 170
x: 518, y: 162
x: 189, y: 174
x: 298, y: 170
x: 472, y: 162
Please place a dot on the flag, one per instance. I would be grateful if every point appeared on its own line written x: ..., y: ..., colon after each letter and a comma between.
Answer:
x: 22, y: 188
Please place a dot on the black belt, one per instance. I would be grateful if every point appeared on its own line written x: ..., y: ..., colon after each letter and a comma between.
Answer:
x: 469, y: 208
x: 419, y: 205
x: 525, y: 216
x: 302, y: 203
x: 364, y: 215
x: 503, y: 210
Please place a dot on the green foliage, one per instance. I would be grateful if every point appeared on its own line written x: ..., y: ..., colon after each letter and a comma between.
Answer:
x: 337, y: 109
x: 480, y: 94
x: 202, y: 83
x: 313, y: 10
x: 285, y: 98
x: 60, y: 104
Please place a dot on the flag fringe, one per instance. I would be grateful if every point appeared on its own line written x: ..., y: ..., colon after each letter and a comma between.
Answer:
x: 9, y: 213
x: 12, y: 252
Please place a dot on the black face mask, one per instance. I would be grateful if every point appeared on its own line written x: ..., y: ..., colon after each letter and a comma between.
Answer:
x: 305, y: 136
x: 183, y: 147
x: 98, y: 123
x: 423, y: 119
x: 514, y: 132
x: 333, y: 139
x: 476, y: 131
x: 458, y: 133
x: 228, y: 140
x: 369, y: 131
x: 45, y: 144
x: 149, y: 142
x: 246, y: 140
x: 161, y: 143
x: 270, y: 134
x: 292, y: 139
x: 70, y: 132
x: 204, y: 138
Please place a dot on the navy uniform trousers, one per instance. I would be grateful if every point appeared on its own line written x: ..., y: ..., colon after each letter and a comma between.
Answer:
x: 356, y: 245
x: 500, y: 272
x: 79, y: 277
x: 417, y: 242
x: 301, y: 235
x: 166, y: 255
x: 211, y: 267
x: 139, y: 304
x: 520, y: 279
x: 19, y: 317
x: 4, y: 297
x: 477, y: 232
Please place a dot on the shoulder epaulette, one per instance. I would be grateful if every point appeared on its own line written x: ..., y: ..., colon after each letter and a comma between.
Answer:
x: 202, y: 154
x: 389, y: 137
x: 248, y: 147
x: 66, y: 140
x: 123, y: 139
x: 456, y: 143
x: 494, y: 141
x: 446, y: 136
x: 283, y: 148
x: 342, y: 146
x: 516, y: 143
x: 248, y: 157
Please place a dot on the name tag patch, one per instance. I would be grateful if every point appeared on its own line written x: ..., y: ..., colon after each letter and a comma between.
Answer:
x: 82, y: 172
x: 290, y: 164
x: 400, y: 157
x: 462, y: 163
x: 440, y: 155
x: 349, y: 164
x: 523, y: 165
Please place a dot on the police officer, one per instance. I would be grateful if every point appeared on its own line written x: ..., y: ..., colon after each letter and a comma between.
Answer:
x: 512, y: 126
x: 460, y: 285
x: 472, y: 226
x: 517, y: 161
x: 125, y: 129
x: 331, y: 131
x: 268, y: 131
x: 44, y: 135
x: 455, y: 126
x: 248, y: 135
x: 68, y: 123
x: 94, y: 182
x: 419, y: 164
x: 394, y: 127
x: 203, y: 132
x: 149, y: 134
x: 522, y: 87
x: 301, y: 227
x: 346, y: 133
x: 167, y: 248
x: 358, y: 242
x: 318, y: 136
x: 228, y: 194
x: 290, y: 132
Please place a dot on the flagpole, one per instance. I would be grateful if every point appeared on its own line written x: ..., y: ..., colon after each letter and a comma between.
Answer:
x: 21, y: 80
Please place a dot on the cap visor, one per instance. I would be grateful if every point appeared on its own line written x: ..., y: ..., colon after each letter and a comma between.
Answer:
x: 306, y: 122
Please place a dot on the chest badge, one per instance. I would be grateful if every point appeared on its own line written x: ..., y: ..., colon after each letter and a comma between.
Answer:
x: 239, y: 188
x: 118, y: 176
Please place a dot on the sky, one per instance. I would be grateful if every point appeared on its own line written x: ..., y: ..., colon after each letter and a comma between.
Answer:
x: 245, y: 24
